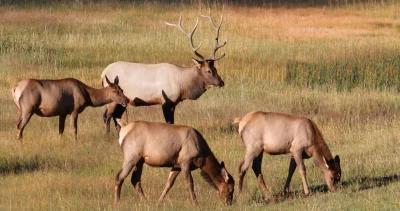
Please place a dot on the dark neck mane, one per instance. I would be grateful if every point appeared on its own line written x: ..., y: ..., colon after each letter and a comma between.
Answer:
x: 192, y: 84
x: 323, y: 149
x: 97, y: 97
x: 211, y: 171
x: 322, y: 154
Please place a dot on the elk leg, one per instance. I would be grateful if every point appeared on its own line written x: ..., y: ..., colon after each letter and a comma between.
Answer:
x: 74, y: 117
x: 19, y: 119
x: 61, y: 124
x: 136, y: 178
x: 245, y: 164
x: 257, y: 171
x: 292, y: 168
x: 117, y: 114
x: 170, y: 182
x: 24, y: 119
x: 107, y: 115
x: 107, y: 120
x: 302, y: 169
x: 189, y: 182
x: 127, y: 167
x: 168, y: 111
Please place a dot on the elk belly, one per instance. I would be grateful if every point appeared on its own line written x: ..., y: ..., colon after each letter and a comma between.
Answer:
x: 160, y: 161
x: 277, y: 146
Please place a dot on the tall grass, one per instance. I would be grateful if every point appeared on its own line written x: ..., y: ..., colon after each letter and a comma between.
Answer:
x: 380, y: 71
x: 336, y: 65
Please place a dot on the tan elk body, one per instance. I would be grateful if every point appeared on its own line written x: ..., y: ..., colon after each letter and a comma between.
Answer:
x: 180, y: 148
x: 165, y: 84
x: 47, y: 98
x: 279, y: 133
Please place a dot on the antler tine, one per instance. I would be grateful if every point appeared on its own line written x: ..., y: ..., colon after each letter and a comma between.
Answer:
x: 217, y: 30
x: 191, y: 41
x: 220, y: 57
x: 188, y: 35
x: 209, y: 17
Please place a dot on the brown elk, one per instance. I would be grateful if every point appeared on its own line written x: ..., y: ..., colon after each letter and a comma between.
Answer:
x: 278, y: 133
x: 181, y: 148
x: 165, y: 84
x: 48, y: 98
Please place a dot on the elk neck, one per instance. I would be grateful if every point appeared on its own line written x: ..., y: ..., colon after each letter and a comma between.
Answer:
x: 213, y: 169
x: 98, y: 97
x: 321, y: 153
x: 191, y: 83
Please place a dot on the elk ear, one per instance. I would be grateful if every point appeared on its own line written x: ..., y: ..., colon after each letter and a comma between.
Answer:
x: 198, y: 63
x: 337, y: 159
x: 108, y: 81
x: 116, y: 80
x: 326, y: 163
x: 224, y: 172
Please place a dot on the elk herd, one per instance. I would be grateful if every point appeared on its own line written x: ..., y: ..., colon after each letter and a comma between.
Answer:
x: 180, y: 148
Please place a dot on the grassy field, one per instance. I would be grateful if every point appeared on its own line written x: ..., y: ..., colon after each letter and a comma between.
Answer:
x: 339, y: 66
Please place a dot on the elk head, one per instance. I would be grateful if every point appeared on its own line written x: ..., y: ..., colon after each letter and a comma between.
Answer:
x: 334, y: 173
x: 205, y: 66
x: 115, y: 92
x: 227, y: 187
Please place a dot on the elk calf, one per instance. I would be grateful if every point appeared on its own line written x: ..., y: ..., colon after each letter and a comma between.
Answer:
x: 277, y: 133
x: 48, y: 98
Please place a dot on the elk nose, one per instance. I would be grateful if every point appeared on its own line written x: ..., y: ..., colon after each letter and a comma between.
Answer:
x: 221, y: 83
x: 126, y: 101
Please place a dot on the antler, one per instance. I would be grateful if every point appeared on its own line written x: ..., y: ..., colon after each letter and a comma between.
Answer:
x: 188, y: 35
x: 216, y: 28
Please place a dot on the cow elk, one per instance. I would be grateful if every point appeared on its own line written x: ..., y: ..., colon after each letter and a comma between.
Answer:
x: 278, y: 133
x: 165, y: 84
x: 181, y: 148
x: 48, y: 98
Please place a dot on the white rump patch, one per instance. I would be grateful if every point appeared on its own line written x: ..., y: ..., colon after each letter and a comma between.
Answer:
x: 123, y: 132
x: 17, y: 91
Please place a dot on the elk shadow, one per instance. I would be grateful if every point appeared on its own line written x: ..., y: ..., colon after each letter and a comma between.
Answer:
x: 17, y: 165
x: 355, y: 184
x: 365, y: 183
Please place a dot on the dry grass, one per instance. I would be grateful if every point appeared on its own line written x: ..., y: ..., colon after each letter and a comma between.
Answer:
x: 361, y: 124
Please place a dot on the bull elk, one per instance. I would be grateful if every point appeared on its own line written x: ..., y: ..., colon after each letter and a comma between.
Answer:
x: 278, y: 133
x: 48, y: 98
x: 181, y: 148
x: 165, y: 84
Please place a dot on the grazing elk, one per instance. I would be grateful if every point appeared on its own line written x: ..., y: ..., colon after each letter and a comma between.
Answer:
x: 278, y: 133
x: 49, y: 98
x: 165, y: 84
x: 181, y: 148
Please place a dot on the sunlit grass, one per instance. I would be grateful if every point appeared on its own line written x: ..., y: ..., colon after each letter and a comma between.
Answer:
x: 336, y: 65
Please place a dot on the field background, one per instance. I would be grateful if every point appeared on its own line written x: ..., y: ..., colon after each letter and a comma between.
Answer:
x: 337, y: 64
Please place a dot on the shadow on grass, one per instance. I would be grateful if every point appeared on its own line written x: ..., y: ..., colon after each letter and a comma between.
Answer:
x: 364, y: 183
x: 19, y: 165
x: 355, y: 184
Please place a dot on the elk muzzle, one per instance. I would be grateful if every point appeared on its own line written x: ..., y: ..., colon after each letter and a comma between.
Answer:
x: 125, y: 102
x: 221, y: 83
